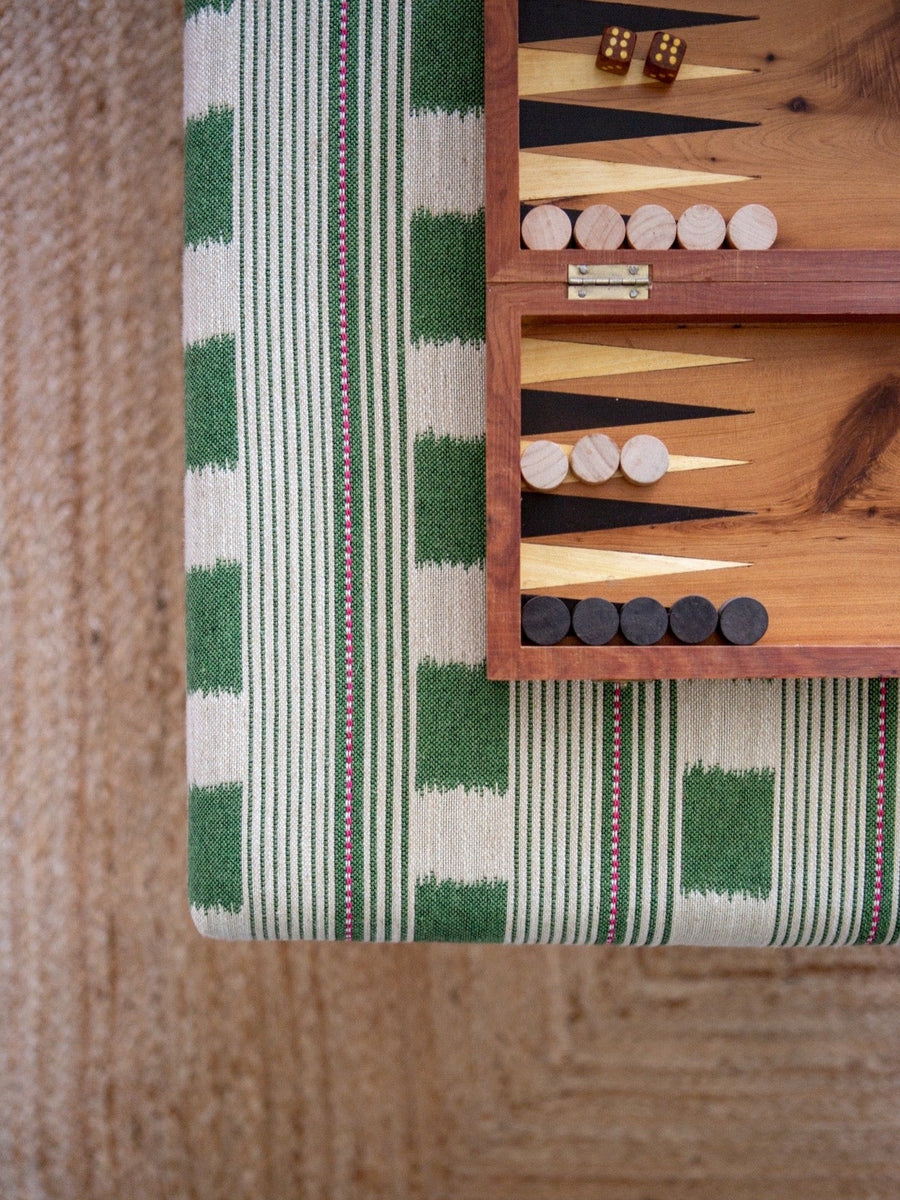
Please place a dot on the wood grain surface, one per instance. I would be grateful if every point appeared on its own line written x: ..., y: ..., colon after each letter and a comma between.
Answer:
x: 141, y: 1061
x: 797, y: 110
x: 799, y: 481
x: 816, y: 102
x: 814, y: 453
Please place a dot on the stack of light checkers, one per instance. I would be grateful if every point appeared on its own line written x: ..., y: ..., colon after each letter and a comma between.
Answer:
x: 595, y: 459
x: 650, y: 227
x: 547, y: 620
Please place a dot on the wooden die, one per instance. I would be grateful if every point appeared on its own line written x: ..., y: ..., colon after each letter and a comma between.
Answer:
x: 664, y: 57
x: 616, y: 50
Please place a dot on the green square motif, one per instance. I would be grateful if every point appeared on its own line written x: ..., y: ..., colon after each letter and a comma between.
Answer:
x: 210, y: 404
x: 462, y: 729
x: 460, y: 912
x: 214, y: 847
x: 450, y: 510
x: 447, y: 277
x: 727, y: 831
x: 208, y: 144
x: 447, y: 56
x: 213, y: 604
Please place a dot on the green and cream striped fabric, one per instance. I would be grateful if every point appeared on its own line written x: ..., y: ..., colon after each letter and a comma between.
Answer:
x: 352, y: 771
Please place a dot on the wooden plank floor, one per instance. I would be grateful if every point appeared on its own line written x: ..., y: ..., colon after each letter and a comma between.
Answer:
x: 139, y: 1060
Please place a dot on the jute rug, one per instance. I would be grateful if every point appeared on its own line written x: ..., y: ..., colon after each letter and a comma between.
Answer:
x: 138, y: 1059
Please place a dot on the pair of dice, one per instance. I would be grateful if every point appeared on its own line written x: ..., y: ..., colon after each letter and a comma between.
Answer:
x: 663, y: 58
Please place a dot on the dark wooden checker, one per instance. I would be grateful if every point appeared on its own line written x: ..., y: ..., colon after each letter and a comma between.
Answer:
x: 773, y: 377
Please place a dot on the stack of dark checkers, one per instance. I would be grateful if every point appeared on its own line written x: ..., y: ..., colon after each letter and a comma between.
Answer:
x: 643, y: 621
x: 732, y: 336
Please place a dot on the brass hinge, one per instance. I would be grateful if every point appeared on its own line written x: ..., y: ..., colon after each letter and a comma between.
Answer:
x: 623, y: 281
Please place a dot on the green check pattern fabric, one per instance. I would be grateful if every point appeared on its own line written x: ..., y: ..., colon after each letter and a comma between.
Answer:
x: 352, y: 772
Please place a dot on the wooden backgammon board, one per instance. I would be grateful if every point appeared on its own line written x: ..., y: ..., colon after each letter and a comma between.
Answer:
x: 770, y: 376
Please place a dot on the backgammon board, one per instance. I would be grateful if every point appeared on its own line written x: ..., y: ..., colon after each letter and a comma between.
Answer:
x: 772, y: 377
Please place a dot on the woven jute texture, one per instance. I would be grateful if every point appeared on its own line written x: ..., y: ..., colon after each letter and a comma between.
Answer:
x: 138, y: 1059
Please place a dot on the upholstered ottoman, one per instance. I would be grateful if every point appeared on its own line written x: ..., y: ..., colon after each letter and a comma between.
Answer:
x: 352, y: 771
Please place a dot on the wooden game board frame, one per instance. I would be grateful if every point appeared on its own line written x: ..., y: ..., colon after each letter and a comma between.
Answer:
x: 719, y: 286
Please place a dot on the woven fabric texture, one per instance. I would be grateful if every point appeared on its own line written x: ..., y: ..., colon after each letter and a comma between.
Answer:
x: 352, y: 771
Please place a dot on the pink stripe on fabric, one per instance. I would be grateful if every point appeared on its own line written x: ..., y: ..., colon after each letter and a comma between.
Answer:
x: 879, y: 819
x: 348, y: 513
x: 616, y: 809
